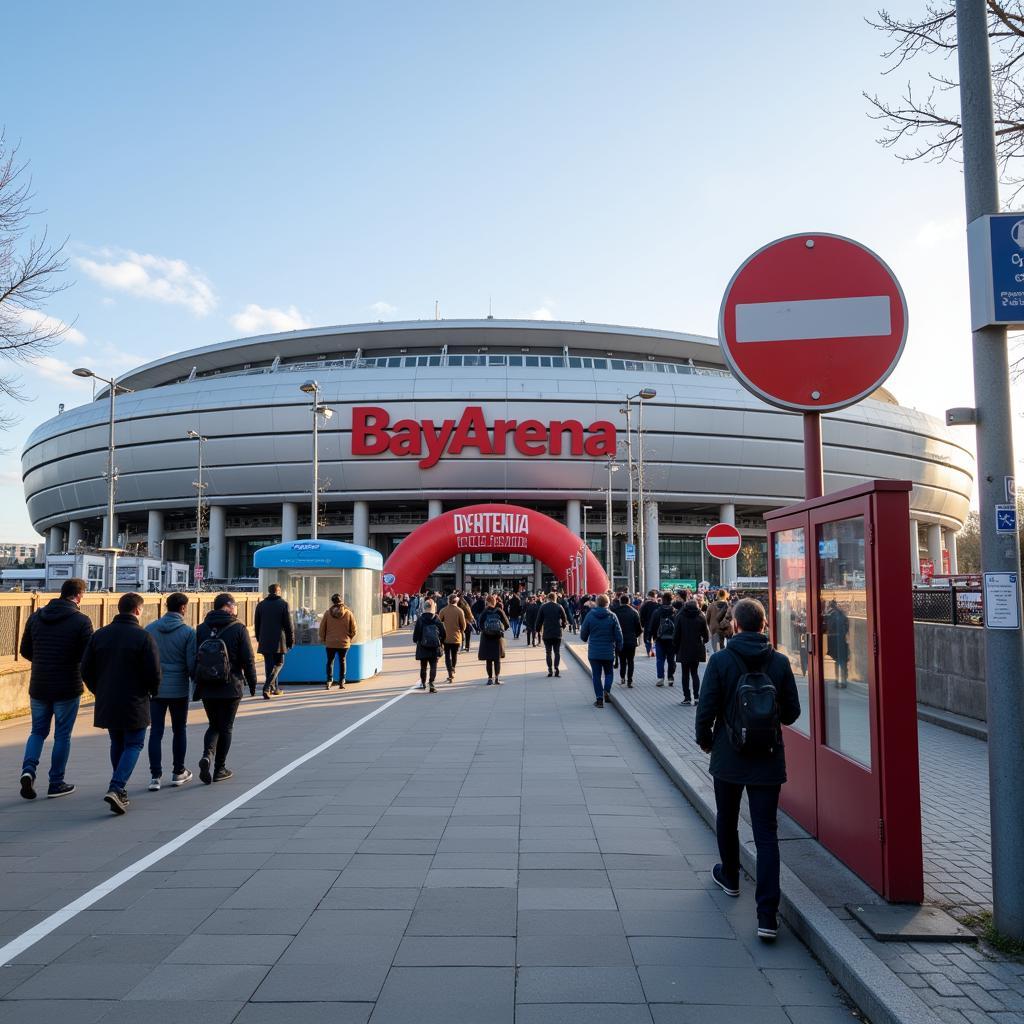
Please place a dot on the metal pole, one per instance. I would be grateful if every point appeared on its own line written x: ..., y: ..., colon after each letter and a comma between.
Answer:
x: 111, y: 543
x: 629, y: 472
x: 199, y: 516
x: 316, y: 466
x: 1004, y: 651
x: 814, y: 476
x: 608, y: 530
x: 642, y: 535
x: 585, y: 549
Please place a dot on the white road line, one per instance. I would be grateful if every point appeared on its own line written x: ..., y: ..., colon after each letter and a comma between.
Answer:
x: 866, y: 316
x: 28, y: 939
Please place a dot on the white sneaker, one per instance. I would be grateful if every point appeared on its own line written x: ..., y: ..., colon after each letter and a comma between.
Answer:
x: 154, y: 785
x: 180, y: 778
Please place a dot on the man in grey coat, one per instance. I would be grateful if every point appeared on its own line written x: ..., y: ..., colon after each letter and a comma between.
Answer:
x: 176, y: 642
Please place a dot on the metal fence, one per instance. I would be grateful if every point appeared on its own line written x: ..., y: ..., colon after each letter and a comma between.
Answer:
x: 952, y: 607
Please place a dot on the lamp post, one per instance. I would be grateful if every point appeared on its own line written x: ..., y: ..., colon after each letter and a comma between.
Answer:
x: 109, y: 541
x: 609, y: 557
x: 586, y: 509
x: 643, y: 394
x: 199, y: 485
x: 311, y: 387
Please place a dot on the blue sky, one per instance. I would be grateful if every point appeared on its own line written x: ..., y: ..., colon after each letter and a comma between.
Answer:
x: 227, y: 169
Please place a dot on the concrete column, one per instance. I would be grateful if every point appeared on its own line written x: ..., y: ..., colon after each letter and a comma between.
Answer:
x: 74, y: 534
x: 935, y: 546
x: 434, y: 508
x: 55, y: 540
x: 915, y: 550
x: 538, y: 574
x: 289, y: 521
x: 108, y: 538
x: 652, y: 549
x: 573, y: 516
x: 232, y: 557
x: 155, y: 532
x: 218, y: 567
x: 727, y: 572
x: 361, y: 523
x: 954, y: 566
x: 460, y: 575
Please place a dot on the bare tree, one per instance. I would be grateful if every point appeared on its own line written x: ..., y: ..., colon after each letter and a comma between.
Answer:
x: 924, y: 124
x: 29, y: 275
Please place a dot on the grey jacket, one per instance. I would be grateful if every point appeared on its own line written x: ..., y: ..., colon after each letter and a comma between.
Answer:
x: 176, y: 642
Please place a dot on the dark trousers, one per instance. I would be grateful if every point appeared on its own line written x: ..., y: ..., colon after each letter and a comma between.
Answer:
x: 691, y: 674
x: 530, y: 634
x: 764, y: 807
x: 451, y: 658
x: 466, y: 636
x: 553, y: 650
x: 626, y: 658
x: 493, y: 667
x: 648, y: 643
x: 158, y: 708
x: 665, y: 655
x: 339, y: 653
x: 516, y: 624
x: 431, y: 665
x: 220, y: 713
x: 272, y: 664
x: 597, y: 669
x: 125, y: 747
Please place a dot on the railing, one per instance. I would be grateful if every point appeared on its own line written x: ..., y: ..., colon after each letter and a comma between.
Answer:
x: 952, y: 607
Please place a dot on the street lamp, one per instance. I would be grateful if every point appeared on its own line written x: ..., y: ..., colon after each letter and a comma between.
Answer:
x: 643, y: 394
x: 586, y: 509
x: 110, y: 544
x: 199, y: 485
x: 609, y: 557
x: 311, y: 387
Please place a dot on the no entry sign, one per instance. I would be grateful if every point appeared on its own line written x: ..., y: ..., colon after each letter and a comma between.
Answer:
x: 723, y: 540
x: 813, y: 322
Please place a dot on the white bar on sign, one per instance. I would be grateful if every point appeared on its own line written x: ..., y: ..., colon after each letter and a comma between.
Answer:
x: 721, y: 541
x: 807, y: 319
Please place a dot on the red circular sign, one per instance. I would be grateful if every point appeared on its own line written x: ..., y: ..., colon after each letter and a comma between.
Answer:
x: 723, y: 540
x: 813, y: 322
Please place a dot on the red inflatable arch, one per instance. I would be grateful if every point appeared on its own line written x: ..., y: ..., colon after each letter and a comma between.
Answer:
x: 490, y: 528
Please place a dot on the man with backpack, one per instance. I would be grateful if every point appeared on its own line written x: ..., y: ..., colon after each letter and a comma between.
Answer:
x: 274, y: 637
x: 662, y: 625
x: 720, y: 620
x: 551, y: 621
x: 491, y: 649
x: 224, y: 665
x: 747, y: 695
x: 429, y: 635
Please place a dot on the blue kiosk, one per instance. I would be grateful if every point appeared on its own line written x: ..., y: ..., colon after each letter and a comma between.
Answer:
x: 309, y: 572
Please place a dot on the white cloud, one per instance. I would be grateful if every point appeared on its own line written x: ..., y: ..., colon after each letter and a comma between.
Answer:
x: 57, y: 370
x: 152, y: 277
x: 383, y: 309
x: 546, y: 311
x: 50, y: 324
x: 259, y: 319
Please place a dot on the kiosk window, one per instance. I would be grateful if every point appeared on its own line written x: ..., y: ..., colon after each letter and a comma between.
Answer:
x: 791, y: 614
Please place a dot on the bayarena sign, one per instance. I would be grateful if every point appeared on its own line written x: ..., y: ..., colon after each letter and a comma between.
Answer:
x: 373, y: 433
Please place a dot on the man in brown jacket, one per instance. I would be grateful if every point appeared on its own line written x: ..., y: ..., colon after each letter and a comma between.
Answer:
x: 454, y: 621
x: 337, y: 631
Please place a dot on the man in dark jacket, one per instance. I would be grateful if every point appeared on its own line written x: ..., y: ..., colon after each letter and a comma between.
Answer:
x: 629, y: 620
x: 121, y: 666
x: 647, y: 609
x: 530, y: 613
x: 761, y: 773
x: 662, y: 625
x: 54, y: 640
x: 514, y: 610
x: 224, y: 665
x: 551, y: 621
x: 691, y: 639
x: 274, y: 636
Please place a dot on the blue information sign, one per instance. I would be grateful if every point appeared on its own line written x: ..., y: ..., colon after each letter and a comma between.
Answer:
x: 995, y: 246
x: 630, y: 552
x: 1006, y: 519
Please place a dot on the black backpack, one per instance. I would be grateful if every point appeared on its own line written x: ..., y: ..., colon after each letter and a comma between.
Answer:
x: 213, y: 664
x: 752, y: 716
x: 492, y: 625
x: 430, y: 637
x: 667, y: 625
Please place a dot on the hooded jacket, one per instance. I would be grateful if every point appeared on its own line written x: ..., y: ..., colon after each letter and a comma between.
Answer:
x: 423, y: 652
x: 629, y: 620
x: 121, y: 666
x: 337, y: 627
x: 551, y: 620
x: 243, y: 665
x: 176, y: 643
x: 691, y: 635
x: 746, y: 652
x: 603, y: 634
x: 54, y: 641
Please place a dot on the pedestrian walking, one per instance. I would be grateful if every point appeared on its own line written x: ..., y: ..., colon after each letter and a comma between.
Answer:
x: 629, y: 623
x: 663, y: 630
x: 54, y: 640
x: 551, y: 623
x: 224, y: 666
x: 514, y: 610
x: 121, y: 667
x: 748, y: 693
x: 274, y: 637
x: 337, y: 631
x: 429, y: 636
x: 530, y: 614
x: 649, y: 606
x: 176, y: 647
x: 493, y: 623
x: 603, y: 635
x: 837, y: 644
x: 453, y: 618
x: 467, y: 610
x: 720, y: 621
x: 691, y: 637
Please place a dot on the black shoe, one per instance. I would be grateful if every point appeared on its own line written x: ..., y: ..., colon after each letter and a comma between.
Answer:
x: 550, y: 673
x: 328, y: 685
x: 433, y: 689
x: 767, y: 927
x: 28, y: 785
x: 204, y: 770
x: 490, y: 682
x: 222, y: 774
x: 671, y: 681
x: 117, y: 800
x: 266, y: 694
x: 629, y: 685
x: 341, y: 686
x: 718, y: 874
x: 59, y: 789
x: 556, y: 673
x: 599, y: 703
x: 686, y: 702
x: 497, y: 681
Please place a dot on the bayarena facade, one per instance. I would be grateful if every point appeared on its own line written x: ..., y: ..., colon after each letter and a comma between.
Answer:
x: 433, y: 417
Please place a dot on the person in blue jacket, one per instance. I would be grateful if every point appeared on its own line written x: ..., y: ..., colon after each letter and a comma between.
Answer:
x: 603, y: 634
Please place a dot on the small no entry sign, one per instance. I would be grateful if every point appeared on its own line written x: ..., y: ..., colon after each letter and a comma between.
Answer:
x: 723, y: 540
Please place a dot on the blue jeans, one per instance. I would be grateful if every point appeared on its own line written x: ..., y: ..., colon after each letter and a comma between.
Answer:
x: 64, y: 713
x: 665, y: 652
x: 596, y: 669
x: 158, y: 708
x: 125, y: 747
x: 764, y: 821
x: 517, y: 625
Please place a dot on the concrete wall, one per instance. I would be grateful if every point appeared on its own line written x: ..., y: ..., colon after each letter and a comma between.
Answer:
x: 951, y: 668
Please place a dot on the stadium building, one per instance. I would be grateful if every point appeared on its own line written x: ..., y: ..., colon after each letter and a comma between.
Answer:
x: 430, y: 416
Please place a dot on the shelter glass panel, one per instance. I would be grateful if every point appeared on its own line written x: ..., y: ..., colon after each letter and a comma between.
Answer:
x: 791, y: 613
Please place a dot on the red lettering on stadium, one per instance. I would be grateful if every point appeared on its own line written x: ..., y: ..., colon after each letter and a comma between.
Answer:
x: 374, y: 434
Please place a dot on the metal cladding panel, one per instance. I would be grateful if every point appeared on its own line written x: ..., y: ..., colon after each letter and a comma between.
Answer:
x: 706, y: 440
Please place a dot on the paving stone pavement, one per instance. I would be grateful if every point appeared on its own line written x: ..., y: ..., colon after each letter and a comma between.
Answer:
x: 964, y: 984
x: 483, y: 854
